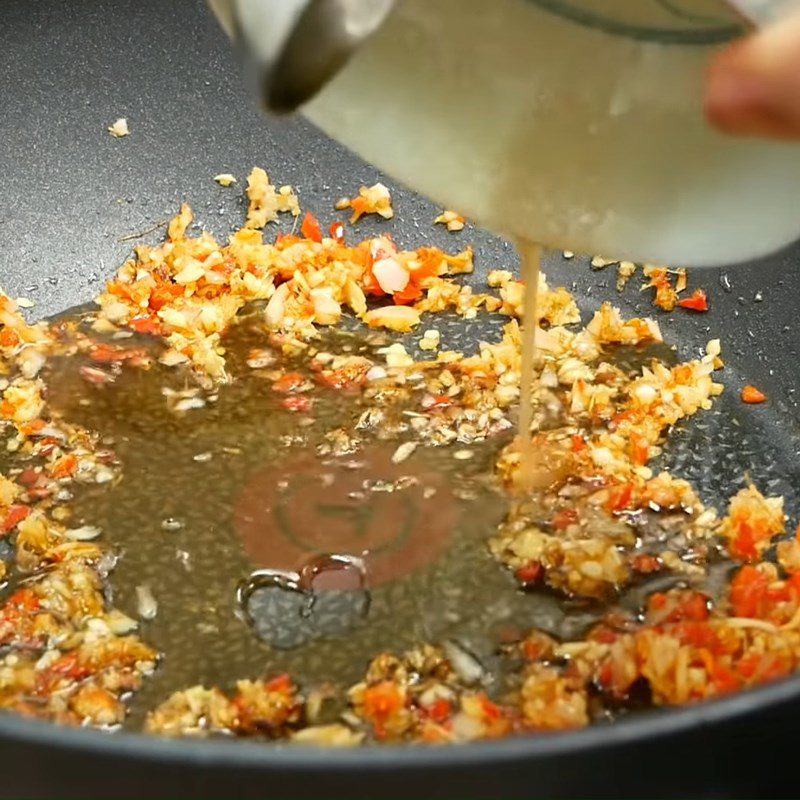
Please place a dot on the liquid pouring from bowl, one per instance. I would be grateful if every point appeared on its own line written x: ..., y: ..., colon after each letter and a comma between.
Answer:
x: 567, y: 122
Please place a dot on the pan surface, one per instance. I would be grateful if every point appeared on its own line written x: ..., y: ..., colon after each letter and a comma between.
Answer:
x: 70, y: 193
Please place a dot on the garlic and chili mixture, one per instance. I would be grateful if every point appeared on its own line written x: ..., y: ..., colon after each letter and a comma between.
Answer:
x: 68, y: 654
x: 601, y: 530
x: 667, y: 284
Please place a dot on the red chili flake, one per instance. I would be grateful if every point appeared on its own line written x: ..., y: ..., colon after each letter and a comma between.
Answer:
x: 744, y: 544
x: 106, y: 354
x: 725, y: 680
x: 64, y: 467
x: 282, y: 683
x: 67, y: 667
x: 619, y: 498
x: 763, y: 667
x: 685, y: 606
x: 8, y: 337
x: 438, y: 711
x: 578, y: 443
x: 29, y: 477
x: 640, y: 450
x: 382, y: 699
x: 530, y: 573
x: 381, y: 702
x: 33, y: 427
x: 15, y: 515
x: 533, y: 649
x: 564, y: 518
x: 490, y: 709
x: 163, y: 295
x: 436, y: 401
x: 95, y: 375
x: 697, y: 302
x: 23, y: 600
x: 407, y: 296
x: 753, y: 395
x: 695, y: 607
x: 290, y: 382
x: 310, y: 227
x: 39, y: 493
x: 350, y: 377
x: 148, y: 324
x: 694, y: 633
x: 605, y: 676
x: 297, y: 402
x: 657, y: 601
x: 336, y: 231
x: 286, y: 239
x: 750, y: 593
x: 646, y: 564
x: 603, y: 634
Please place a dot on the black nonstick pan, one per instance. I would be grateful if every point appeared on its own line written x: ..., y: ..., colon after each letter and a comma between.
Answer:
x: 71, y: 196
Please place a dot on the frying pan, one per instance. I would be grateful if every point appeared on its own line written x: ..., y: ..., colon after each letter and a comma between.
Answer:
x: 69, y: 193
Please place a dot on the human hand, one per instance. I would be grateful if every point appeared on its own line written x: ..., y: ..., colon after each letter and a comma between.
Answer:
x: 753, y: 86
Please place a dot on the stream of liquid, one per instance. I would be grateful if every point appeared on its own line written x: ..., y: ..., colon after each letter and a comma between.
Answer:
x: 530, y: 256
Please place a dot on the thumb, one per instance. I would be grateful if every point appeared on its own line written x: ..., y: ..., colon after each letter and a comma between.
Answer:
x: 753, y: 87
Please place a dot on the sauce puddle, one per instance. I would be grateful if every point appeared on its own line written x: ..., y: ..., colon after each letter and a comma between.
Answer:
x: 232, y: 501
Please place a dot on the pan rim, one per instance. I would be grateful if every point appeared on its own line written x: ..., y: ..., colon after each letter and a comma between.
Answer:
x: 652, y: 724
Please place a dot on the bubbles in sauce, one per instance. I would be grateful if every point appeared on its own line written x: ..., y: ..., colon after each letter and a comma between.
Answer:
x: 326, y: 597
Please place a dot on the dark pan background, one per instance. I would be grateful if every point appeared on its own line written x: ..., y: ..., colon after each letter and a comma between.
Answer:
x: 69, y: 192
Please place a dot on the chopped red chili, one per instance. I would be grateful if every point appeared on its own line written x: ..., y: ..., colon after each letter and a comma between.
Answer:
x: 753, y: 395
x: 310, y: 227
x: 697, y: 302
x: 290, y: 382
